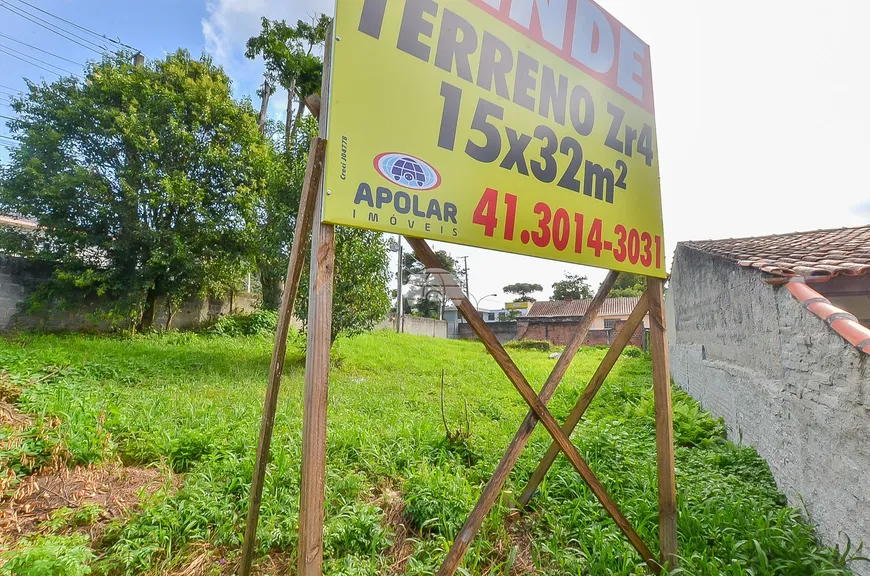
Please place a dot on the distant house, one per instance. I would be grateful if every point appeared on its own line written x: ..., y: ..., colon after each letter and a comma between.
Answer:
x: 18, y: 223
x: 773, y: 334
x: 557, y: 321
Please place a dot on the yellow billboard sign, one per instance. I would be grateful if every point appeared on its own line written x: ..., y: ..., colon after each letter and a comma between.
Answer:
x: 525, y: 126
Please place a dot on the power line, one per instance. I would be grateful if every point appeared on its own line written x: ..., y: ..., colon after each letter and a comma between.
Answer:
x: 41, y: 50
x: 56, y: 29
x: 8, y: 117
x: 88, y: 30
x: 3, y: 50
x: 11, y: 88
x: 26, y: 55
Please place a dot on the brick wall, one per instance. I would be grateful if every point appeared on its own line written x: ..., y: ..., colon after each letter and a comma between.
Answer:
x: 559, y: 331
x: 783, y: 381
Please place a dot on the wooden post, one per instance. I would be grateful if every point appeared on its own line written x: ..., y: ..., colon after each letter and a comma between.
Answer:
x: 619, y: 344
x: 321, y: 272
x: 493, y: 488
x: 304, y: 219
x: 664, y: 424
x: 493, y: 346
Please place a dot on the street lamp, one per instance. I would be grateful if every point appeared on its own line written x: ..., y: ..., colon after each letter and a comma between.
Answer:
x: 477, y: 302
x: 396, y: 246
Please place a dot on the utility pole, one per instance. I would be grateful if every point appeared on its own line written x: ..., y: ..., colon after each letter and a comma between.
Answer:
x: 399, y: 299
x: 138, y: 60
x: 467, y: 289
x: 264, y: 105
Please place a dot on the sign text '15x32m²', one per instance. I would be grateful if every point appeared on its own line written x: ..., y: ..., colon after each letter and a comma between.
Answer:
x: 524, y: 126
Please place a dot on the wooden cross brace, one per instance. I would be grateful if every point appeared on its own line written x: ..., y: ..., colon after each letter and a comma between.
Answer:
x: 561, y: 442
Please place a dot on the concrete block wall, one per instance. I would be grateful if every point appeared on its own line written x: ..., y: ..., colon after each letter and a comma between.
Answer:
x: 504, y: 331
x: 19, y: 278
x: 783, y: 382
x: 416, y: 325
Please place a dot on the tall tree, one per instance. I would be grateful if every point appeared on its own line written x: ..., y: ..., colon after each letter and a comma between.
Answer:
x: 143, y: 181
x: 523, y: 289
x: 573, y: 287
x: 628, y: 285
x: 290, y: 62
x: 361, y: 282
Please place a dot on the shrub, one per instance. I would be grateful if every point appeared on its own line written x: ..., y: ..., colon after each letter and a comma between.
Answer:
x: 632, y: 352
x: 49, y: 555
x: 258, y: 323
x: 542, y: 345
x: 437, y: 500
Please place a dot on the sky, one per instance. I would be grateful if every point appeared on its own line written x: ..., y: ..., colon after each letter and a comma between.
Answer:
x: 761, y: 121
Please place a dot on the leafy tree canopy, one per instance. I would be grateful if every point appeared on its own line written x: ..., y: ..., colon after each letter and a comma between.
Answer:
x: 144, y: 181
x: 523, y: 289
x: 360, y: 294
x: 628, y: 285
x: 573, y: 287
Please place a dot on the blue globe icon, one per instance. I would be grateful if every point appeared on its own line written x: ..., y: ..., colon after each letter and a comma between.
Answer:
x: 408, y: 170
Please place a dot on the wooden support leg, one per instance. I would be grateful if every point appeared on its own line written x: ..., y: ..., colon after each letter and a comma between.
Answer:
x: 304, y: 220
x: 664, y: 424
x: 619, y: 344
x: 311, y: 493
x: 321, y: 275
x: 493, y: 488
x: 484, y: 333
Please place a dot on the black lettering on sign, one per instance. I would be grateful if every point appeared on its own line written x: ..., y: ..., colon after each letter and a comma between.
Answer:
x: 600, y: 180
x: 613, y: 140
x: 516, y: 154
x: 496, y: 60
x: 524, y: 81
x: 413, y: 25
x: 372, y: 17
x: 491, y: 148
x: 582, y: 120
x: 571, y: 148
x: 545, y: 172
x: 450, y: 213
x: 557, y: 96
x: 449, y: 115
x: 364, y: 194
x: 451, y: 48
x: 385, y: 196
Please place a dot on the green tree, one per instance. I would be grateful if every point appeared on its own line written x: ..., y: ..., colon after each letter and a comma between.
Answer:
x: 523, y: 289
x: 143, y: 180
x: 573, y: 287
x: 360, y: 290
x: 290, y: 62
x: 628, y: 285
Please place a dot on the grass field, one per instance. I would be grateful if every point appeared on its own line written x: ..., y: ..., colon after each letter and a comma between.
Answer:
x: 187, y: 407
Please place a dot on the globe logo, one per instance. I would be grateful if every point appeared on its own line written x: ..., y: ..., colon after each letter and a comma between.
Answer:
x: 407, y: 171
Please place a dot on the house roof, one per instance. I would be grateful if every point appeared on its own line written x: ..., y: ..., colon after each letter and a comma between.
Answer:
x: 800, y: 257
x: 17, y: 223
x: 611, y: 307
x: 819, y: 254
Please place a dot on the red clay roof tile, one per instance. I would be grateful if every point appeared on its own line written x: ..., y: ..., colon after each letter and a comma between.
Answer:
x: 816, y: 254
x: 611, y: 307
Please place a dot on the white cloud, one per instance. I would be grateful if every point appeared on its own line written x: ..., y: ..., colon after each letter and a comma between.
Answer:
x: 229, y: 23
